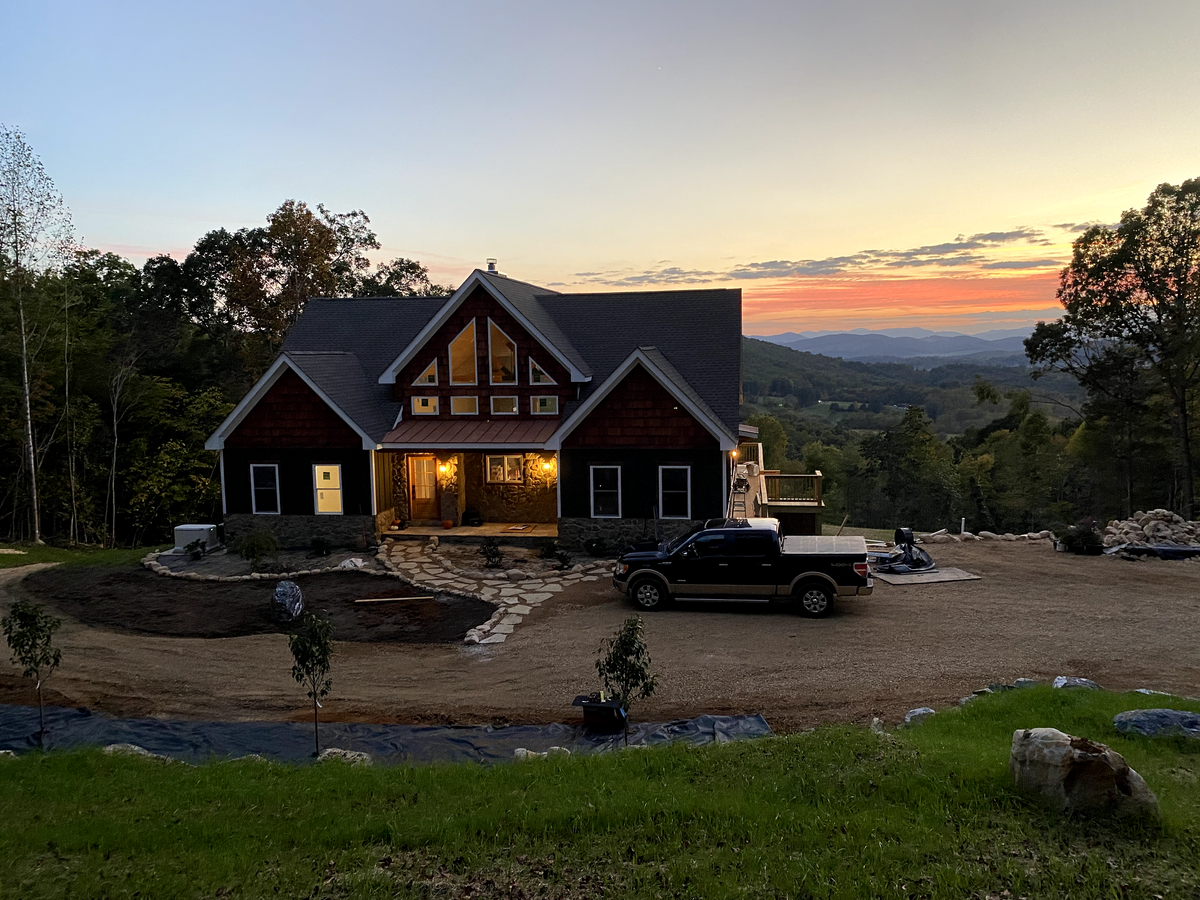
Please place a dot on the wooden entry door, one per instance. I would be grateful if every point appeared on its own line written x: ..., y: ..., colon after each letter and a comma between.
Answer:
x: 422, y: 487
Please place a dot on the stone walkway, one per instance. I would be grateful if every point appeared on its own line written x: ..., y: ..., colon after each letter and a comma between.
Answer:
x: 516, y: 593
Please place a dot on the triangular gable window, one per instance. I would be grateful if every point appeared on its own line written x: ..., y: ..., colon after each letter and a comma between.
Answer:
x: 537, y: 375
x: 429, y: 376
x: 462, y: 356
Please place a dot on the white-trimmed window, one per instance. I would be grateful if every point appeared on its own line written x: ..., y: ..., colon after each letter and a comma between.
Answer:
x: 264, y: 489
x: 463, y: 359
x: 464, y: 406
x: 429, y: 376
x: 327, y: 490
x: 425, y: 406
x: 675, y: 492
x: 502, y: 355
x: 606, y: 492
x: 537, y: 375
x: 504, y: 406
x: 508, y: 469
x: 544, y: 406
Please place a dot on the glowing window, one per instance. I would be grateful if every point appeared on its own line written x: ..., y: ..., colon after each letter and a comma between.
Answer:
x: 464, y: 406
x: 425, y: 406
x: 537, y: 375
x: 462, y: 356
x: 503, y: 352
x: 543, y: 406
x: 429, y: 376
x: 505, y: 469
x: 504, y: 406
x: 327, y: 482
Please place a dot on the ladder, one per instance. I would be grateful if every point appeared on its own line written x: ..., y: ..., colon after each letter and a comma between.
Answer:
x: 738, y: 490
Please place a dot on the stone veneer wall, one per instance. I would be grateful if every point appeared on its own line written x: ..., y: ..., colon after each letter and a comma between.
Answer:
x: 617, y: 533
x: 533, y: 500
x: 298, y: 532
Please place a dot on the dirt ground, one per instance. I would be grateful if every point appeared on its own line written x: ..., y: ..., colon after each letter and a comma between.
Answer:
x: 135, y: 600
x: 1035, y: 613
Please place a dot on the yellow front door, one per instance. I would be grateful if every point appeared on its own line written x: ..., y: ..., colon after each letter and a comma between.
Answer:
x: 422, y: 487
x: 328, y: 480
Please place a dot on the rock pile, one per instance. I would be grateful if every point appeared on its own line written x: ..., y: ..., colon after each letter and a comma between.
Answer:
x: 1159, y: 526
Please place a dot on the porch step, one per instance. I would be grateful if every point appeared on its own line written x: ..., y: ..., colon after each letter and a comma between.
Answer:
x: 466, y: 535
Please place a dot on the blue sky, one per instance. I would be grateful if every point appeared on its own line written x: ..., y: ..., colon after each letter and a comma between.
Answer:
x: 806, y: 152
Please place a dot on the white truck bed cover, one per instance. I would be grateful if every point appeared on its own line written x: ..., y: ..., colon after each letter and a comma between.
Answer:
x: 848, y: 545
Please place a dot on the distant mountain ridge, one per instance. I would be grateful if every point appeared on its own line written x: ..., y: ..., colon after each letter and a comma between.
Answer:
x: 999, y: 346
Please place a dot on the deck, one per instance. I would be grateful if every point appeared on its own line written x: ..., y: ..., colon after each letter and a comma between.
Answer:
x: 532, y: 535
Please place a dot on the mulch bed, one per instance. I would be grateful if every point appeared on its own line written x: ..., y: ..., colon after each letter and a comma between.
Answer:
x: 138, y: 601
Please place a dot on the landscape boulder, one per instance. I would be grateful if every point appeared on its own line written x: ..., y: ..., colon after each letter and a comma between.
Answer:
x: 351, y: 757
x: 288, y: 601
x: 1158, y: 722
x: 918, y: 715
x: 1077, y: 776
x: 1072, y: 681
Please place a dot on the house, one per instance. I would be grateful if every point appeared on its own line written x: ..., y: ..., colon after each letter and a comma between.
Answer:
x: 592, y: 416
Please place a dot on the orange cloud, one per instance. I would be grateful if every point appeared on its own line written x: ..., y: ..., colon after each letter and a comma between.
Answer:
x: 970, y: 303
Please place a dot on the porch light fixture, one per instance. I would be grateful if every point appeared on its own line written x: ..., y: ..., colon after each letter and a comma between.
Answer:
x: 442, y: 468
x: 546, y: 465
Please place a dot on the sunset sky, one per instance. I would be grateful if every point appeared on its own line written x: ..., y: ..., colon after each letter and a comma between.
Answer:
x: 847, y: 164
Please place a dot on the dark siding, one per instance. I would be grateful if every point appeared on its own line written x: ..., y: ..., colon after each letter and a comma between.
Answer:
x: 296, y: 479
x: 640, y: 413
x: 639, y: 480
x: 290, y: 414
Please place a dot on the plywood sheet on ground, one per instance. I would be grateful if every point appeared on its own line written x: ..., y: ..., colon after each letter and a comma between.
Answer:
x: 937, y: 577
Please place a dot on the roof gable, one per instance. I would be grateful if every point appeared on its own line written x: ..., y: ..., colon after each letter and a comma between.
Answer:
x: 660, y: 369
x: 522, y: 309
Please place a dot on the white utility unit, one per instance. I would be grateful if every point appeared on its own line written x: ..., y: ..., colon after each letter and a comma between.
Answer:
x: 185, y: 534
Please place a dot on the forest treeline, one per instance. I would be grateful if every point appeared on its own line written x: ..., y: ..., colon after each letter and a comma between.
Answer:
x: 1100, y: 424
x: 112, y: 376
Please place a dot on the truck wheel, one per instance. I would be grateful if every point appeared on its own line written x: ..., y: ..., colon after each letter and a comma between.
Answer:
x: 648, y: 593
x: 815, y: 599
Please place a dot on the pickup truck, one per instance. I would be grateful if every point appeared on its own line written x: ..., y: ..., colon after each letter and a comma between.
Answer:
x: 731, y: 559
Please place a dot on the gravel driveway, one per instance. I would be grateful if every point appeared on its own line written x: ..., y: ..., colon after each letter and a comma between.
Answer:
x: 1035, y: 613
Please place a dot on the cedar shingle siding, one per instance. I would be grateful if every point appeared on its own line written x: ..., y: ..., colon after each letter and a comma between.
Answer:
x: 640, y: 414
x: 291, y: 415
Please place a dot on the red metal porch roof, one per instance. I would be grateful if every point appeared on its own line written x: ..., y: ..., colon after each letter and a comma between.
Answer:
x: 471, y: 433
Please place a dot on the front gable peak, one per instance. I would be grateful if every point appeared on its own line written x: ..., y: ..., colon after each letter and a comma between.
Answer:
x: 519, y: 310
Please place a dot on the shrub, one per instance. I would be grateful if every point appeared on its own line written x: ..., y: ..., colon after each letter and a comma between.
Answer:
x: 490, y: 551
x: 29, y: 631
x: 564, y: 559
x: 319, y: 547
x: 312, y: 646
x: 195, y: 549
x: 549, y: 549
x: 257, y: 545
x: 624, y: 665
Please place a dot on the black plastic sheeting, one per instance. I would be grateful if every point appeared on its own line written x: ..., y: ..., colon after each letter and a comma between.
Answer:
x: 293, y: 741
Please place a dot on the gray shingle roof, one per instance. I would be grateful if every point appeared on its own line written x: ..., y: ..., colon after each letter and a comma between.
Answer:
x: 344, y: 345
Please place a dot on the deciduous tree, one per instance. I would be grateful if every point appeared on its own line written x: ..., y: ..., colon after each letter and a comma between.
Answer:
x: 29, y: 631
x: 1131, y: 297
x: 312, y: 647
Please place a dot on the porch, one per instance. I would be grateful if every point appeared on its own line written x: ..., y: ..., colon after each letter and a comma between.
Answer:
x: 520, y: 534
x: 507, y: 492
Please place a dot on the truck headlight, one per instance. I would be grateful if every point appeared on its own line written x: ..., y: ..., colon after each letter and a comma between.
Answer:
x: 620, y: 568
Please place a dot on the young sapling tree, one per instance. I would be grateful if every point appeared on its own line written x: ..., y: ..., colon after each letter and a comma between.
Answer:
x: 624, y: 666
x: 29, y: 631
x: 312, y: 646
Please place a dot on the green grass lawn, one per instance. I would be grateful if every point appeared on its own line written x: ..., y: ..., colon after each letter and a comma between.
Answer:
x: 838, y: 812
x: 31, y: 553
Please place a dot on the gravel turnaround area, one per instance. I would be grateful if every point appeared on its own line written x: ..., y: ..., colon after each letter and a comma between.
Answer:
x: 1035, y: 613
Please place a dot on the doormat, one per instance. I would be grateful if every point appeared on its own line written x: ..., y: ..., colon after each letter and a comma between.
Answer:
x: 520, y: 528
x: 927, y: 577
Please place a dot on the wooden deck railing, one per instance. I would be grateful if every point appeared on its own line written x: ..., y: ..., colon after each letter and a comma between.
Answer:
x: 794, y: 488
